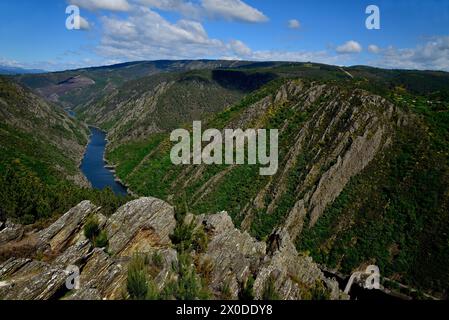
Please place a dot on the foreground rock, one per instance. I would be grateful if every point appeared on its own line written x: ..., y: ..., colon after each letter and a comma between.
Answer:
x: 145, y: 226
x: 236, y: 256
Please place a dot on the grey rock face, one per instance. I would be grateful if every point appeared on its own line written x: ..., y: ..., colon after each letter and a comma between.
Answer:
x: 101, y: 278
x: 61, y: 233
x: 10, y: 232
x: 30, y: 280
x: 236, y: 256
x: 140, y: 225
x: 143, y: 226
x: 295, y: 277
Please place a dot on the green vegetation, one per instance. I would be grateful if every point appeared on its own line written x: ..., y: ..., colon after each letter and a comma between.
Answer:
x: 187, y: 236
x: 37, y: 160
x: 130, y: 155
x: 225, y: 292
x: 182, y: 237
x: 395, y: 213
x: 92, y: 231
x: 157, y: 260
x: 101, y: 241
x: 269, y: 291
x: 26, y: 198
x: 247, y: 294
x: 138, y: 284
x: 186, y: 282
x: 91, y: 228
x: 237, y: 187
x: 188, y: 286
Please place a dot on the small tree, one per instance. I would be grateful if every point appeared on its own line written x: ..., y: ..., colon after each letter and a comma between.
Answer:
x: 101, y: 241
x: 92, y: 228
x: 92, y: 231
x: 269, y: 292
x: 137, y: 281
x: 247, y: 293
x: 182, y: 237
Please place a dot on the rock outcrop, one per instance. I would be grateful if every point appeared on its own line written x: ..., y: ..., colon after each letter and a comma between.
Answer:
x: 140, y: 225
x: 236, y: 256
x: 10, y: 231
x: 144, y: 226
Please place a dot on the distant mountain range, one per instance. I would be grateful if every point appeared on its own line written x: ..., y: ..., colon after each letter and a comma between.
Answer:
x: 7, y: 70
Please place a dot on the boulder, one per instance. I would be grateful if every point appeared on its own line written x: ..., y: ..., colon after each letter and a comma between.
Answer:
x: 10, y: 232
x: 140, y: 225
x: 66, y: 229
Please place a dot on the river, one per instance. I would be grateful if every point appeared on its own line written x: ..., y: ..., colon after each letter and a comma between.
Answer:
x: 93, y: 165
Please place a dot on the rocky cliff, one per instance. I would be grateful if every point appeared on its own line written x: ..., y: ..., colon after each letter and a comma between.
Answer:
x: 144, y: 226
x: 362, y: 177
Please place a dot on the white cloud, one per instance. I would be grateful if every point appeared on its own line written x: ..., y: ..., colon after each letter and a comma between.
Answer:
x: 349, y: 47
x: 239, y: 48
x: 84, y: 24
x: 112, y: 5
x: 373, y: 49
x: 147, y: 35
x: 185, y: 8
x: 294, y: 24
x: 233, y: 10
x: 10, y: 63
x: 431, y: 55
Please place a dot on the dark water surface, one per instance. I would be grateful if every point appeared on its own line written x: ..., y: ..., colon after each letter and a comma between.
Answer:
x: 93, y: 165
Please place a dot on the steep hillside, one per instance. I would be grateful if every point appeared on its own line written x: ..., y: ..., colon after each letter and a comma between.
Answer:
x: 363, y: 160
x: 40, y: 151
x: 38, y: 133
x: 164, y: 102
x: 362, y: 178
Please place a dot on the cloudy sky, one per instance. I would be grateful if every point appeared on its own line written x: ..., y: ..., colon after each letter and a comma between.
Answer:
x: 413, y: 34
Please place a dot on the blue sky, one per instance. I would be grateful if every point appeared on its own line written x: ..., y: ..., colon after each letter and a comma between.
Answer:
x: 414, y: 34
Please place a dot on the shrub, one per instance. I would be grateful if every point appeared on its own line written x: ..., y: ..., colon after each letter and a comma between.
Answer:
x: 152, y: 293
x: 101, y: 241
x: 99, y: 238
x: 92, y: 228
x: 206, y: 269
x: 319, y: 292
x: 226, y: 291
x: 200, y: 241
x: 247, y: 293
x: 182, y: 237
x: 157, y: 260
x: 188, y: 286
x: 31, y: 195
x: 269, y: 291
x: 137, y: 282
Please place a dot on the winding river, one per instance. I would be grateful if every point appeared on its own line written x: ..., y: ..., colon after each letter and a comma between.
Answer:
x: 93, y: 165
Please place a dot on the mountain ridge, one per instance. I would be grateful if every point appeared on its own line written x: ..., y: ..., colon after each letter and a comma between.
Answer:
x: 364, y: 154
